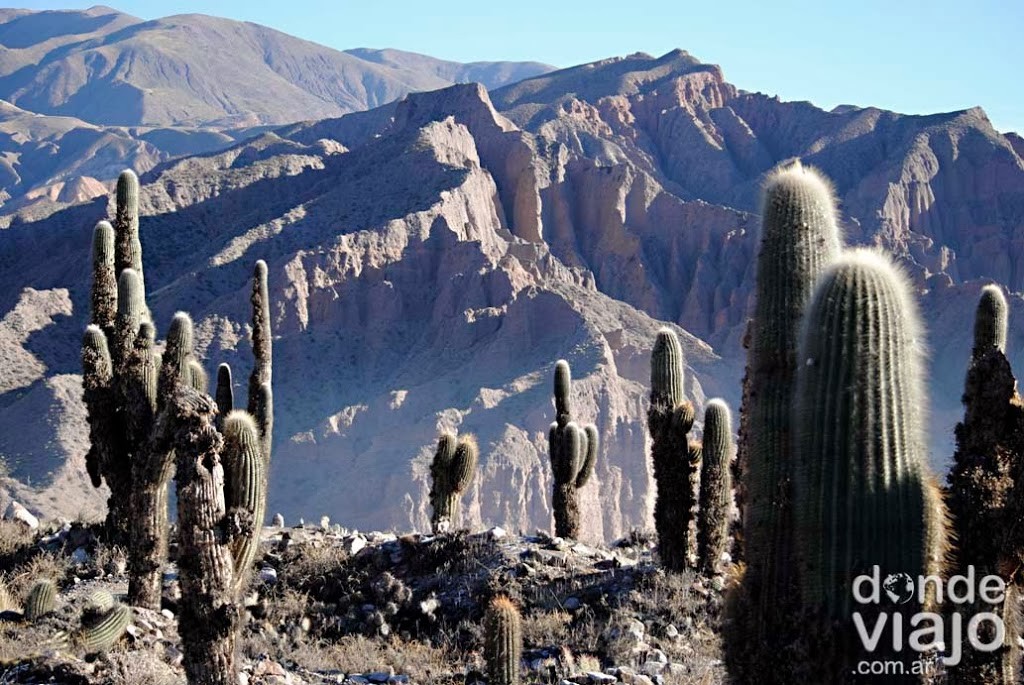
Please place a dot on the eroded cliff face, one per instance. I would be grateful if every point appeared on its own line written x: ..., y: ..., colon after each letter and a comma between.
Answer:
x: 430, y: 261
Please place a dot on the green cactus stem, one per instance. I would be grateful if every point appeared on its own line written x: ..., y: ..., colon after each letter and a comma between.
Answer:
x: 503, y: 642
x: 863, y: 493
x: 103, y: 628
x: 41, y: 600
x: 451, y: 472
x: 715, y: 486
x: 104, y: 277
x: 990, y: 321
x: 244, y: 490
x: 225, y: 394
x: 669, y: 419
x: 262, y: 346
x: 573, y: 451
x: 799, y: 239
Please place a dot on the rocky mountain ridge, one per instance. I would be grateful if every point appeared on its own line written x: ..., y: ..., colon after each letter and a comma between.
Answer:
x: 430, y: 261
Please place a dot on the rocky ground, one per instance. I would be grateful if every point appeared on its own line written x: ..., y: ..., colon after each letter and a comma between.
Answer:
x: 329, y: 605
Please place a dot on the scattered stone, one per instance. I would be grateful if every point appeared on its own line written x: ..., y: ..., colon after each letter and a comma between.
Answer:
x: 16, y: 512
x: 80, y: 556
x: 497, y: 533
x: 380, y: 676
x: 268, y: 575
x: 601, y: 678
x: 572, y: 604
x: 671, y: 632
x: 354, y: 544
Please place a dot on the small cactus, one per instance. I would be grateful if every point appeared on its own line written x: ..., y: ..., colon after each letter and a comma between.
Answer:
x: 715, y: 486
x: 102, y: 628
x: 573, y: 451
x: 452, y: 471
x: 503, y: 642
x: 675, y: 460
x: 41, y: 600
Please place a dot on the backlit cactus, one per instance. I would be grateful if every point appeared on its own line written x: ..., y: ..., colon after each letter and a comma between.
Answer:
x: 41, y: 600
x: 128, y: 248
x: 990, y: 321
x: 799, y: 239
x: 225, y: 393
x: 715, y: 486
x: 863, y: 493
x: 503, y: 642
x: 104, y: 277
x: 573, y: 451
x: 451, y: 472
x: 669, y: 419
x: 244, y: 490
x: 986, y: 493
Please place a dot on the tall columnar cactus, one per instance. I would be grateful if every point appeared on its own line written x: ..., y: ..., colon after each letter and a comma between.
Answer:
x: 573, y: 452
x: 244, y: 490
x: 41, y: 600
x: 225, y: 393
x: 715, y: 486
x: 211, y: 469
x: 675, y: 459
x: 799, y: 238
x: 986, y: 494
x: 451, y: 473
x: 128, y: 390
x: 503, y: 642
x: 863, y: 493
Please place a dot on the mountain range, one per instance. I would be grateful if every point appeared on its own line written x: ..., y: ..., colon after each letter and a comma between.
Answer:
x: 432, y: 257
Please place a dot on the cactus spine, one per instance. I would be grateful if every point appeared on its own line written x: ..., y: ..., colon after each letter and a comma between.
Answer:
x: 669, y: 419
x: 987, y: 491
x: 451, y: 472
x: 41, y: 600
x: 864, y: 496
x: 715, y: 486
x: 799, y: 238
x: 573, y: 451
x: 503, y: 642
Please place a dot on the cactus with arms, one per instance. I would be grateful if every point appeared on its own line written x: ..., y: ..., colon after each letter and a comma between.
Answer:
x: 675, y: 459
x: 451, y: 472
x: 573, y: 451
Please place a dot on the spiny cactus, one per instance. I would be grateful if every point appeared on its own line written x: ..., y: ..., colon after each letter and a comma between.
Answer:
x: 225, y: 393
x: 41, y: 600
x: 669, y: 419
x: 7, y: 602
x: 104, y: 277
x: 799, y: 238
x: 573, y: 451
x: 503, y: 642
x: 244, y: 490
x: 451, y: 473
x: 990, y: 321
x: 101, y: 628
x: 98, y: 602
x: 987, y: 491
x: 715, y: 486
x: 261, y: 338
x: 209, y: 614
x: 863, y: 492
x: 126, y: 224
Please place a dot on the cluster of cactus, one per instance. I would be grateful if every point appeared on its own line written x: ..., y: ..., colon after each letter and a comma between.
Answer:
x: 681, y: 465
x: 503, y: 641
x: 451, y: 473
x: 149, y: 414
x: 573, y: 451
x: 987, y: 487
x: 799, y: 238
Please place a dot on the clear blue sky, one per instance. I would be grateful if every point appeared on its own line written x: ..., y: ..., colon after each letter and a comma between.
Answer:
x: 914, y: 56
